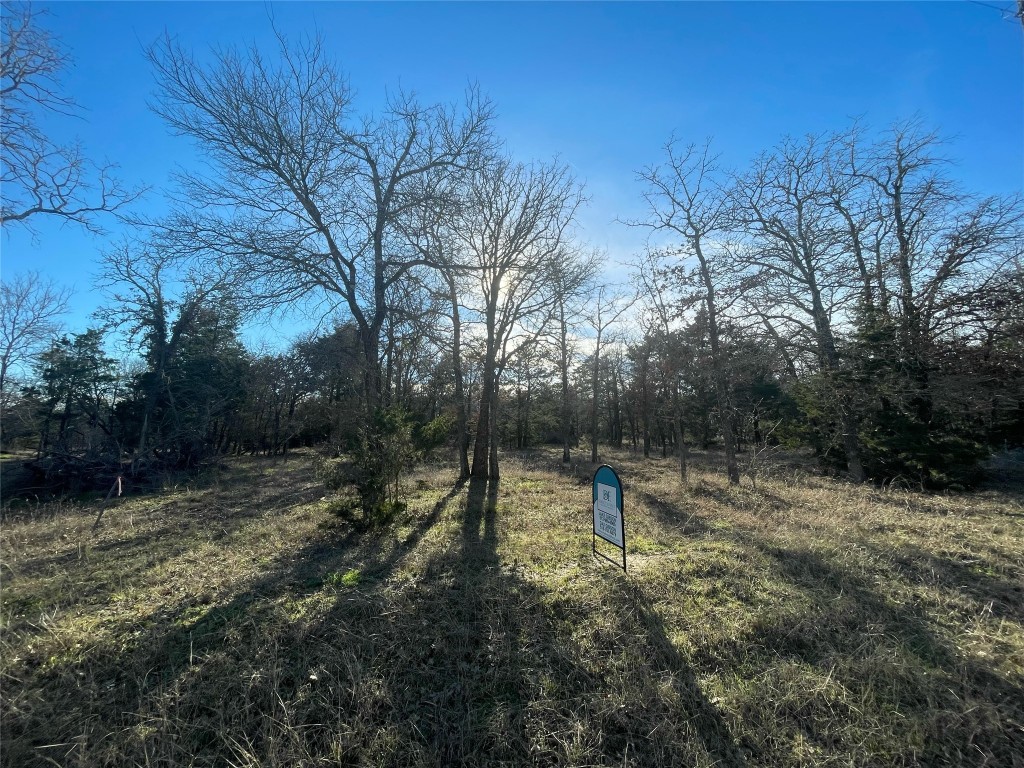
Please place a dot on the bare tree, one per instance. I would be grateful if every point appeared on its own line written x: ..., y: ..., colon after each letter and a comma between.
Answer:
x: 439, y: 245
x: 797, y: 261
x: 606, y: 309
x: 572, y: 277
x: 307, y: 197
x: 461, y: 401
x: 942, y: 247
x: 514, y: 229
x: 652, y: 288
x: 686, y: 201
x: 30, y: 309
x: 40, y: 177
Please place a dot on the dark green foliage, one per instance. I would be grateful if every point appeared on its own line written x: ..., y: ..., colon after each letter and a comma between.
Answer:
x: 78, y: 447
x: 77, y: 382
x: 913, y: 415
x: 385, y: 450
x: 334, y: 472
x: 206, y: 382
x: 185, y: 398
x: 435, y: 433
x: 897, y: 447
x: 816, y: 423
x: 335, y: 376
x: 338, y: 474
x: 94, y: 425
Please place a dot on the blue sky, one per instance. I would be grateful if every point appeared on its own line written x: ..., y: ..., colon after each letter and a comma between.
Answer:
x: 602, y: 85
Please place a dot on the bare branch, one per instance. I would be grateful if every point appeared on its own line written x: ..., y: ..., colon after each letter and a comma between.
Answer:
x: 40, y: 177
x: 30, y: 308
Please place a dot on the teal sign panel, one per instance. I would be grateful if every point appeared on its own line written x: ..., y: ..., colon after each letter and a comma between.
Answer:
x: 609, y: 523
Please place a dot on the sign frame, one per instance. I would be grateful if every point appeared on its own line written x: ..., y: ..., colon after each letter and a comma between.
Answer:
x: 606, y: 476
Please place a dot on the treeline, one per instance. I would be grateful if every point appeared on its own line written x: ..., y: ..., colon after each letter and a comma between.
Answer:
x: 887, y: 301
x: 840, y: 293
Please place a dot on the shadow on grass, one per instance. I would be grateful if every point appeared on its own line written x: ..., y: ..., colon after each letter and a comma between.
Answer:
x: 476, y: 664
x: 172, y: 525
x: 1002, y: 597
x: 671, y: 516
x: 894, y: 663
x: 168, y: 672
x: 460, y: 659
x: 705, y: 723
x: 856, y: 650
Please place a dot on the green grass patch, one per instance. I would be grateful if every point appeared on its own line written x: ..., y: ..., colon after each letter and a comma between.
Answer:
x: 349, y: 578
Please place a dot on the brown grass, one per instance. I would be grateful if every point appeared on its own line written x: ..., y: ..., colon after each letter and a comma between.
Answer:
x: 238, y: 621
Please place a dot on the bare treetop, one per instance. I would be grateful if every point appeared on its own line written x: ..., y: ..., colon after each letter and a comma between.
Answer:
x: 30, y: 310
x: 40, y: 177
x: 32, y: 63
x: 305, y: 195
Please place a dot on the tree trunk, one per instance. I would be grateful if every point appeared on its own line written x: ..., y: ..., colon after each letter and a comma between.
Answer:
x: 483, y: 424
x: 563, y: 365
x: 645, y: 407
x: 526, y: 414
x: 371, y: 374
x: 678, y: 434
x: 493, y: 455
x: 829, y: 358
x: 616, y: 412
x: 593, y: 402
x: 721, y: 380
x: 462, y: 416
x: 566, y: 418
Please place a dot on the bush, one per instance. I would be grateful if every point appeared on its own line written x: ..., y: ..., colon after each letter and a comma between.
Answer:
x: 385, y: 450
x: 334, y: 472
x: 434, y: 433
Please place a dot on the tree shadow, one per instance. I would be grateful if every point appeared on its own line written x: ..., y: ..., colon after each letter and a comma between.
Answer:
x: 943, y: 706
x: 477, y: 663
x: 440, y: 653
x: 704, y: 719
x: 1002, y: 597
x: 175, y: 525
x: 670, y: 516
x: 174, y: 646
x: 888, y: 649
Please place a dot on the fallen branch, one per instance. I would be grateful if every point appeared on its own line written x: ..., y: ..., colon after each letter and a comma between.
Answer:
x: 103, y: 504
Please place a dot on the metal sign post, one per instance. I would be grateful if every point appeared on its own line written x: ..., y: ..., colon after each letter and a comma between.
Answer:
x: 609, y: 523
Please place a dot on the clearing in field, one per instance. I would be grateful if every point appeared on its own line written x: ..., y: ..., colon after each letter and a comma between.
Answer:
x: 239, y: 620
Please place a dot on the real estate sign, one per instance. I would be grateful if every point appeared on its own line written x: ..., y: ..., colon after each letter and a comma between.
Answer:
x: 608, y: 520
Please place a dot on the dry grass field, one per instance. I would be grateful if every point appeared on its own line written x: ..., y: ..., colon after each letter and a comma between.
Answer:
x: 239, y: 621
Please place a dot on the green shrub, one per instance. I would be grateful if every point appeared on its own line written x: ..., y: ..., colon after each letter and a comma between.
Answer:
x: 385, y: 450
x: 334, y: 472
x: 435, y: 433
